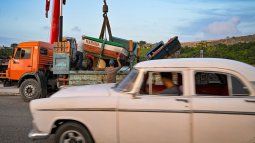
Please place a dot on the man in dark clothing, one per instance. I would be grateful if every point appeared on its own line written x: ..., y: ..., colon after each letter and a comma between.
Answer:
x: 167, y: 79
x: 111, y: 71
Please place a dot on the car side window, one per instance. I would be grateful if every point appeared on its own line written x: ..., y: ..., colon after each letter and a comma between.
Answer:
x: 208, y: 83
x: 219, y: 84
x: 238, y: 88
x: 162, y: 83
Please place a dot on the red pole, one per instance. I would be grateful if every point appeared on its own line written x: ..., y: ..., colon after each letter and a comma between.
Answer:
x: 54, y: 32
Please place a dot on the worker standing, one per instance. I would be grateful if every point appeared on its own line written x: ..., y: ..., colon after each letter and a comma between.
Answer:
x: 79, y: 56
x: 111, y: 71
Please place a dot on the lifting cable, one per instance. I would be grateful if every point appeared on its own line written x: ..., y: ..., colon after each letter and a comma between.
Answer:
x: 106, y: 24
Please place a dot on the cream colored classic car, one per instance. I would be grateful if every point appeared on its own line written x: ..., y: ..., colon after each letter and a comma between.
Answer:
x: 213, y: 101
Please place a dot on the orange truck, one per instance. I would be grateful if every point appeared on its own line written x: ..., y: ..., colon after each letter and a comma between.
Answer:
x: 30, y: 69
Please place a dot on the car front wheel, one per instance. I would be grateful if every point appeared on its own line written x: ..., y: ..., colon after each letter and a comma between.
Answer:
x: 72, y: 133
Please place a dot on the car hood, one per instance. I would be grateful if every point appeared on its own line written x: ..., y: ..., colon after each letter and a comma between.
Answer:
x: 77, y: 98
x: 85, y: 90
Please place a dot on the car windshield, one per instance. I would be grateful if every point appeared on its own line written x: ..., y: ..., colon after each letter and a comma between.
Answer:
x: 127, y: 83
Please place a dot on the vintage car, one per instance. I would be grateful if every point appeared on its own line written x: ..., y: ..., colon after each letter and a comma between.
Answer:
x: 214, y: 103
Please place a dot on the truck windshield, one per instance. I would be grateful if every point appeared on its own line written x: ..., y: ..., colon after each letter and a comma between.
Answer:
x: 127, y: 83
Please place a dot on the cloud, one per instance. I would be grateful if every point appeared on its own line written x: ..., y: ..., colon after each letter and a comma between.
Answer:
x: 8, y: 40
x: 224, y: 27
x: 199, y: 36
x: 47, y: 28
x: 76, y: 29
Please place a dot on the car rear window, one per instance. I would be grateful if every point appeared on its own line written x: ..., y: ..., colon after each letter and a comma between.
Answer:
x: 219, y: 84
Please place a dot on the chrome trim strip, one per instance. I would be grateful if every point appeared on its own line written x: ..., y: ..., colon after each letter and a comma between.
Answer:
x: 224, y: 112
x: 80, y: 109
x: 152, y: 110
x: 34, y: 134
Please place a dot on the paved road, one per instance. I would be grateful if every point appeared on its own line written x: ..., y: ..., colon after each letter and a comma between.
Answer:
x: 15, y: 121
x: 8, y: 90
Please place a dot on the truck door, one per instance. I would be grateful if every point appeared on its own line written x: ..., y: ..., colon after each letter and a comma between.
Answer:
x: 21, y: 63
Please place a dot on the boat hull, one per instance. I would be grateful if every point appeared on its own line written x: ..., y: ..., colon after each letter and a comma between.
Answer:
x: 108, y: 51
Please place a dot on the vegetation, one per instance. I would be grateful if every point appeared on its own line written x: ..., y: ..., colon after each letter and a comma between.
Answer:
x: 243, y: 52
x: 5, y: 52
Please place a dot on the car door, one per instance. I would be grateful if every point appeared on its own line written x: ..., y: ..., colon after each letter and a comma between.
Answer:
x: 223, y: 108
x: 21, y: 62
x: 154, y: 118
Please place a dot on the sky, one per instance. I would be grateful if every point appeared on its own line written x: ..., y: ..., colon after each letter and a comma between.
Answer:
x: 147, y: 20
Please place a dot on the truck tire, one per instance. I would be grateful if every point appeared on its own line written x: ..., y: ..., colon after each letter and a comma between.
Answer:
x: 72, y: 132
x: 30, y: 90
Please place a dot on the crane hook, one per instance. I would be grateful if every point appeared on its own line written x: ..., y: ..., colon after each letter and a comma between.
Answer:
x: 105, y: 7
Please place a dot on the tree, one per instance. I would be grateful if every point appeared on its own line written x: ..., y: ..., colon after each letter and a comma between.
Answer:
x: 14, y: 45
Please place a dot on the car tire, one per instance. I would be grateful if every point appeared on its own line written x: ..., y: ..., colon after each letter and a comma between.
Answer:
x: 72, y: 132
x: 30, y: 90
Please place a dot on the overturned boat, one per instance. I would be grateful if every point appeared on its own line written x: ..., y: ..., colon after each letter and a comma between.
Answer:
x: 161, y: 50
x: 104, y: 49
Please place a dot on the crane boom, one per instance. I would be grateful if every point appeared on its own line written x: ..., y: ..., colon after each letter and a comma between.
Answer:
x: 55, y: 24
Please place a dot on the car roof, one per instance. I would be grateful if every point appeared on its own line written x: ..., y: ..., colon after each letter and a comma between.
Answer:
x: 246, y: 70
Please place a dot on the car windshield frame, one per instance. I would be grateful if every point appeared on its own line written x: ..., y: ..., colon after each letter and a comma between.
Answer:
x: 253, y: 84
x: 127, y: 84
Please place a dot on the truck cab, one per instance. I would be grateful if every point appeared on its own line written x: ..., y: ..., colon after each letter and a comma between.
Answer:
x: 30, y: 69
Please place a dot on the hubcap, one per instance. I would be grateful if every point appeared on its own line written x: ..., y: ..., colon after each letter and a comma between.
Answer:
x: 29, y: 91
x: 72, y: 136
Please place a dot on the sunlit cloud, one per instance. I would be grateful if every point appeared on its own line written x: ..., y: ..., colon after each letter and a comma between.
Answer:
x: 224, y: 27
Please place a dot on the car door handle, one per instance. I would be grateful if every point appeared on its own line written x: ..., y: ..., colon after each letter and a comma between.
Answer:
x: 249, y: 100
x: 29, y: 66
x: 182, y: 100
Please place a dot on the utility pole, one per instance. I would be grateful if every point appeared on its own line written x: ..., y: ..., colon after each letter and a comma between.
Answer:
x: 201, y: 53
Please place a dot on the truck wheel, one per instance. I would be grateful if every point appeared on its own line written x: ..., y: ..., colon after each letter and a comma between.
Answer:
x: 29, y: 90
x: 72, y: 133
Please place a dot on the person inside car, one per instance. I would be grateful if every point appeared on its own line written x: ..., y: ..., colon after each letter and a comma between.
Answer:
x: 167, y: 80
